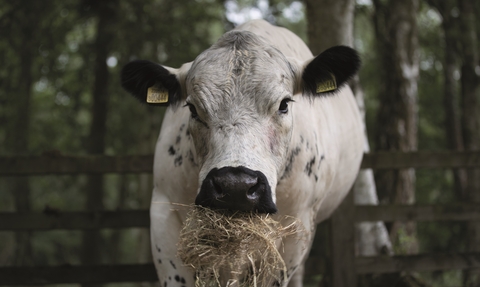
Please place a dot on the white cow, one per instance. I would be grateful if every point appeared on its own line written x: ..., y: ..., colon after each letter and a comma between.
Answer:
x: 255, y: 123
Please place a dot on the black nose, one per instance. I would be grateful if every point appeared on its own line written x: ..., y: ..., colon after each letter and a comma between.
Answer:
x: 236, y: 188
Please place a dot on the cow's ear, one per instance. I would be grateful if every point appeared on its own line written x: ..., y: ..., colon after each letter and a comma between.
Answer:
x: 151, y: 83
x: 330, y: 70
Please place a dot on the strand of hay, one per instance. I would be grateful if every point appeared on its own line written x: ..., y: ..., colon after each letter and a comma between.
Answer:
x: 234, y: 249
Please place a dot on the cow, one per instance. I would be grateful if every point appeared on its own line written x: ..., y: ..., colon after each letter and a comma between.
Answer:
x: 255, y: 123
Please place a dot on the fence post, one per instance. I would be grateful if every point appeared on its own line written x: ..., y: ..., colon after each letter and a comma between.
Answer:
x: 342, y: 232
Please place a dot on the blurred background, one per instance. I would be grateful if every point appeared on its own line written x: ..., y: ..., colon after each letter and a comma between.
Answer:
x: 60, y: 94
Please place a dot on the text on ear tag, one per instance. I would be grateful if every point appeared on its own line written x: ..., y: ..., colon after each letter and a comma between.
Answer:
x: 157, y: 96
x: 327, y: 85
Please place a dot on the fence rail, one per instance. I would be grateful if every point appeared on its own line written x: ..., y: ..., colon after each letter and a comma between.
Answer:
x: 450, y: 212
x: 343, y: 274
x: 52, y: 220
x: 41, y: 275
x: 96, y: 274
x: 100, y: 164
x: 416, y: 263
x: 55, y: 220
x: 85, y: 164
x: 423, y: 159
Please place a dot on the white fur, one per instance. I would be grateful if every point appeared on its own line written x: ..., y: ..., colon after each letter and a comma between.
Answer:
x: 241, y: 126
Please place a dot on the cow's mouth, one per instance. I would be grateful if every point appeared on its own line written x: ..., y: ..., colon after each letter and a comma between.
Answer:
x: 228, y: 247
x: 236, y: 189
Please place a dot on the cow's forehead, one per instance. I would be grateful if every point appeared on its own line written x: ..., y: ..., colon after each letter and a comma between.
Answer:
x: 240, y: 68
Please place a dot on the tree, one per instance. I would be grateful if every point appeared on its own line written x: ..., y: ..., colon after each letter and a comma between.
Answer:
x: 371, y: 237
x: 470, y: 90
x: 331, y: 23
x: 105, y: 12
x: 460, y: 27
x: 47, y: 80
x: 451, y: 96
x: 396, y: 33
x: 22, y: 51
x: 18, y: 128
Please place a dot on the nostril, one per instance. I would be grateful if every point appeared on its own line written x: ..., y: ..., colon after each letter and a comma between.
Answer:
x: 253, y: 193
x: 218, y: 190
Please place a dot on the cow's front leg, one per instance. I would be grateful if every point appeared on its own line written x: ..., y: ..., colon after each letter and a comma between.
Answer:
x: 294, y: 263
x: 295, y: 252
x: 296, y: 279
x: 165, y: 228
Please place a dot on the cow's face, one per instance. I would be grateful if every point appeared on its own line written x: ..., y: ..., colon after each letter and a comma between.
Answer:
x: 240, y: 94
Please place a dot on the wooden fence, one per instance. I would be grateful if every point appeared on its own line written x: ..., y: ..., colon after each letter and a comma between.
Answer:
x: 345, y: 266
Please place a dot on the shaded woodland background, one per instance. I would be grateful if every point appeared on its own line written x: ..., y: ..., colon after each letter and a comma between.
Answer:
x: 60, y: 94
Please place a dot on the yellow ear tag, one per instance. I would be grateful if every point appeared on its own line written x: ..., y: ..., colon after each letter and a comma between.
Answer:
x: 327, y: 85
x: 157, y: 96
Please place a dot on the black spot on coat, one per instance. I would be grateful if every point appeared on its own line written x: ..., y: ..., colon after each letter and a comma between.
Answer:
x: 171, y: 150
x: 289, y: 166
x: 191, y: 158
x: 178, y: 160
x: 308, y: 167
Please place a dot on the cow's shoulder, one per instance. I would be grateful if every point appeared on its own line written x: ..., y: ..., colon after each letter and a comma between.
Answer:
x: 175, y: 164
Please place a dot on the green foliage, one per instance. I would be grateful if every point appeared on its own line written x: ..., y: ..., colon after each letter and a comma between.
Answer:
x: 433, y: 186
x: 59, y: 36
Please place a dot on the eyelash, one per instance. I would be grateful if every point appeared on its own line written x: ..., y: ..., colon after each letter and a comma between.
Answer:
x: 192, y: 109
x: 283, y: 108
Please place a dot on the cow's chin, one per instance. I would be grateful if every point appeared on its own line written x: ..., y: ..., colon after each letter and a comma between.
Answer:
x: 236, y: 248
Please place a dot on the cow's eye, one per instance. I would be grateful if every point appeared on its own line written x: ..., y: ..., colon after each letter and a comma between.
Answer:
x: 193, y: 110
x: 284, y: 106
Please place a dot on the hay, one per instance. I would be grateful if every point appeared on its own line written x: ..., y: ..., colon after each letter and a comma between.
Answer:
x: 235, y: 249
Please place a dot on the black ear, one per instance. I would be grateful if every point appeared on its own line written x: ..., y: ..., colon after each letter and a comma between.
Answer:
x: 150, y: 83
x: 330, y: 70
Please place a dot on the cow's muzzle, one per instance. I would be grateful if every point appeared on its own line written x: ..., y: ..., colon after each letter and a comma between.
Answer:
x: 236, y: 189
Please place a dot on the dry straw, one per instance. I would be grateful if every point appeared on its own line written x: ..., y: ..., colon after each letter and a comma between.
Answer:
x: 235, y: 249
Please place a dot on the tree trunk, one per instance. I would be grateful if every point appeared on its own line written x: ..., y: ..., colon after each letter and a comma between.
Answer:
x: 451, y: 95
x: 330, y: 23
x: 20, y: 187
x: 396, y: 33
x: 105, y: 13
x: 470, y: 83
x: 18, y: 123
x: 115, y: 240
x: 337, y: 18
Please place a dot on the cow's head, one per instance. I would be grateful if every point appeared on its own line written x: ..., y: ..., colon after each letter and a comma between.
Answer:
x: 239, y: 94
